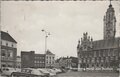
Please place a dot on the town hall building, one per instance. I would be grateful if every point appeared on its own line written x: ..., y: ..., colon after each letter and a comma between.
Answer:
x: 100, y: 53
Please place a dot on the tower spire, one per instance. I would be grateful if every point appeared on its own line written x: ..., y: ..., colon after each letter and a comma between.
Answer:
x: 110, y: 3
x: 109, y: 23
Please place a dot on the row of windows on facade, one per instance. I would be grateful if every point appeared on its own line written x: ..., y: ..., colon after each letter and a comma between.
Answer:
x: 50, y: 57
x: 39, y: 65
x: 50, y: 62
x: 7, y: 58
x: 3, y: 54
x: 6, y: 55
x: 10, y: 65
x: 98, y: 54
x: 97, y: 65
x: 39, y: 57
x: 5, y: 65
x: 39, y: 61
x: 9, y: 44
x: 106, y: 59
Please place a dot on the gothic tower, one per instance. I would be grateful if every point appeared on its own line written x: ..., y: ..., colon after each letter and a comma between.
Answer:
x: 109, y: 23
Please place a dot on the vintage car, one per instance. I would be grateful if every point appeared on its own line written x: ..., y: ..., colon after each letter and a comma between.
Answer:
x: 47, y: 71
x: 8, y: 71
x: 29, y: 72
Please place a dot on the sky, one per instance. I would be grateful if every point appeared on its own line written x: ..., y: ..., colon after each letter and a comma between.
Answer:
x: 66, y: 21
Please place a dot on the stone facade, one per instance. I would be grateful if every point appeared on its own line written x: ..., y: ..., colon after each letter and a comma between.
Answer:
x: 50, y: 59
x: 109, y: 23
x: 103, y: 53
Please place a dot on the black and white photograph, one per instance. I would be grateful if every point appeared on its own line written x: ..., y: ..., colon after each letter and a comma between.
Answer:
x: 59, y: 38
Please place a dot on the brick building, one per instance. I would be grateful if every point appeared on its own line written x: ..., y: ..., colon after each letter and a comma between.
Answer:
x: 39, y: 61
x: 32, y: 60
x: 100, y: 53
x: 8, y: 50
x: 27, y: 59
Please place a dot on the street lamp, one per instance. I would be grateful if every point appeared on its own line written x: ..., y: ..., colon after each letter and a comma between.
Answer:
x: 46, y: 36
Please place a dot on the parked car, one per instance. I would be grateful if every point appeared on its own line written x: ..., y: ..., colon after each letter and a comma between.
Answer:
x: 45, y: 72
x: 8, y: 71
x: 28, y: 72
x: 51, y: 73
x: 63, y: 70
x: 57, y: 70
x: 32, y: 71
x: 22, y: 74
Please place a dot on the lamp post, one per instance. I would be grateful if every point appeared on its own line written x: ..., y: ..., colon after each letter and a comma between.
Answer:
x: 46, y: 36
